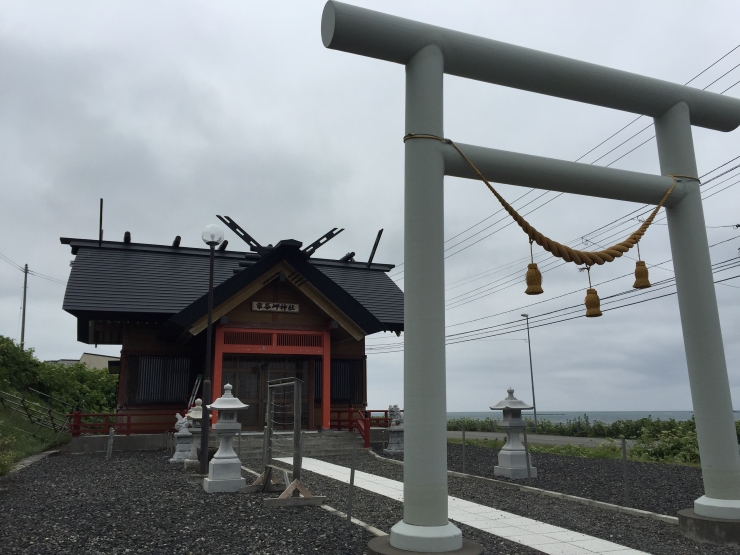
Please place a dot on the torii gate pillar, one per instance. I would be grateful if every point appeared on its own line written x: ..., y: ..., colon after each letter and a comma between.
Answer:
x: 702, y: 334
x: 424, y: 526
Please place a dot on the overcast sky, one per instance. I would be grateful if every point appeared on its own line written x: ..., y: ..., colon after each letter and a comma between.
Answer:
x: 177, y: 111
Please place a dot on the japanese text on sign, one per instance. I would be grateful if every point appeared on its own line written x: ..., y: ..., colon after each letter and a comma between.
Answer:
x: 259, y: 306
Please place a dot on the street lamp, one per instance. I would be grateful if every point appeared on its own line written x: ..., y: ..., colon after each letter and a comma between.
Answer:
x: 531, y: 373
x: 212, y: 236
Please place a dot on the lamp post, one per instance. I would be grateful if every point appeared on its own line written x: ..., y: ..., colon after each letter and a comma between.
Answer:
x: 212, y: 236
x: 531, y: 372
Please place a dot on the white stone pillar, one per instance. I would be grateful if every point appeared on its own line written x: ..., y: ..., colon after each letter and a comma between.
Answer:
x: 424, y: 526
x: 702, y: 335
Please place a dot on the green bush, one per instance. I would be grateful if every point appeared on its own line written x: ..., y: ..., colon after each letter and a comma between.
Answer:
x: 678, y: 445
x: 473, y: 424
x: 90, y: 389
x: 6, y: 454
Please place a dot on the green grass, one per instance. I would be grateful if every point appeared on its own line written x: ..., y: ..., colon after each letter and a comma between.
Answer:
x: 16, y: 445
x: 609, y: 449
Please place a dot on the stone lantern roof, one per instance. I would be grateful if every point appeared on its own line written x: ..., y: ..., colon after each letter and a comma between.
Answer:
x: 511, y: 403
x: 227, y: 401
x: 196, y: 412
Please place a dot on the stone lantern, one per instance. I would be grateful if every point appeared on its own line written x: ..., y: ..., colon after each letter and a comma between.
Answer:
x: 225, y: 469
x: 395, y: 432
x: 195, y: 415
x: 184, y: 439
x: 512, y: 459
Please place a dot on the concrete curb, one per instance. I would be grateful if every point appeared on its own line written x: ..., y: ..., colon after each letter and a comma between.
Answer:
x: 28, y: 461
x: 582, y: 500
x: 372, y: 529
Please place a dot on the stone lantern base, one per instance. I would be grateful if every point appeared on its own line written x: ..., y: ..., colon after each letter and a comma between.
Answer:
x: 513, y: 464
x: 395, y: 441
x: 225, y: 468
x: 183, y: 446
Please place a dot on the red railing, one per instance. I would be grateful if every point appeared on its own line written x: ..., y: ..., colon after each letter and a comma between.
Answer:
x: 383, y: 421
x: 351, y: 419
x: 123, y: 424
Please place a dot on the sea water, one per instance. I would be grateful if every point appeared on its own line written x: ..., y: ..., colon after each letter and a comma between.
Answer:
x: 607, y: 417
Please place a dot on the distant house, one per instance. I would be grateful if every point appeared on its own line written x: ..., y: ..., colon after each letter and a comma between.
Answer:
x: 277, y: 313
x: 92, y: 360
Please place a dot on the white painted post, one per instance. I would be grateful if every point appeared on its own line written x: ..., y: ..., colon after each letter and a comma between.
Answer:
x: 702, y: 335
x: 424, y: 526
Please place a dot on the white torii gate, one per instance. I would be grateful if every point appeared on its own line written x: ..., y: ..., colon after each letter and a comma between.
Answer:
x: 428, y: 52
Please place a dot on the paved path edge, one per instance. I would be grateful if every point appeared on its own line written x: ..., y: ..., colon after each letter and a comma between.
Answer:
x: 28, y: 461
x: 582, y: 500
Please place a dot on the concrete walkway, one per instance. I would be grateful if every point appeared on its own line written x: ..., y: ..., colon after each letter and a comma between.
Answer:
x: 546, y: 538
x: 539, y: 439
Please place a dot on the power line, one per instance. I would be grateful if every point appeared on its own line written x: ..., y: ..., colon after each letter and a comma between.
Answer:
x: 730, y: 87
x: 31, y: 272
x: 511, y: 327
x: 9, y: 261
x: 572, y: 292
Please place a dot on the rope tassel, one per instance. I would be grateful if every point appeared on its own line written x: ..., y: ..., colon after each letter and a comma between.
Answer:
x: 641, y: 276
x: 534, y: 277
x: 534, y: 280
x: 593, y: 303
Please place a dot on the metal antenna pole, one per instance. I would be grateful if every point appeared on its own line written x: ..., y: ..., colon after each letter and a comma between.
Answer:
x: 100, y: 227
x: 531, y: 372
x: 207, y: 400
x: 23, y: 317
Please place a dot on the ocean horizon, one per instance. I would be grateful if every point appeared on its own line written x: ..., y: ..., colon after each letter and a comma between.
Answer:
x: 607, y: 417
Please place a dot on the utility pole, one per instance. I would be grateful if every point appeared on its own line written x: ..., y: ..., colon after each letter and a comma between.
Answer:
x: 23, y: 317
x: 531, y: 372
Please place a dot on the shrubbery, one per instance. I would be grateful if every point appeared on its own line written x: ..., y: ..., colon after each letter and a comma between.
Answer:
x: 656, y: 440
x: 6, y: 454
x: 474, y: 424
x: 678, y: 445
x: 76, y: 384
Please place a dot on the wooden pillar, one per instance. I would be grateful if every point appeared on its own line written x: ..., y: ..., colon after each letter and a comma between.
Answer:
x: 218, y: 362
x: 326, y: 381
x: 311, y: 390
x: 121, y: 397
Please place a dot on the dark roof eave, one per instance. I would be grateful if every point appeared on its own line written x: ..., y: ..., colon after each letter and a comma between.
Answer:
x: 361, y: 316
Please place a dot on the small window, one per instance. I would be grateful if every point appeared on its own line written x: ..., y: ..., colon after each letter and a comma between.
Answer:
x: 153, y: 380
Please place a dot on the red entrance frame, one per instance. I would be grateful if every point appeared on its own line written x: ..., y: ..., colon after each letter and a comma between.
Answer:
x: 275, y: 348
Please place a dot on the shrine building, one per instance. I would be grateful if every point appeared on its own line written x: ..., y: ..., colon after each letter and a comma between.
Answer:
x: 278, y: 312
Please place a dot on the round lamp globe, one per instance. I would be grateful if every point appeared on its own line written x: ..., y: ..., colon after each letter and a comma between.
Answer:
x: 212, y: 235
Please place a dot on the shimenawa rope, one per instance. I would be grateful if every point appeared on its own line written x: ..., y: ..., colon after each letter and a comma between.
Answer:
x: 589, y: 258
x: 557, y: 249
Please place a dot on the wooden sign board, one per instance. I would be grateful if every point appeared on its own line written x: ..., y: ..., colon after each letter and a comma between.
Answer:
x: 259, y: 306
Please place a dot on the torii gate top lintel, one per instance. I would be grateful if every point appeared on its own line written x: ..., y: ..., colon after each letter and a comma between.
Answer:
x: 395, y: 39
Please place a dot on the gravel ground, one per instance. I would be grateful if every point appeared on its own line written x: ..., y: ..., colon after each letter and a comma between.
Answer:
x: 641, y: 533
x: 659, y: 488
x: 139, y: 503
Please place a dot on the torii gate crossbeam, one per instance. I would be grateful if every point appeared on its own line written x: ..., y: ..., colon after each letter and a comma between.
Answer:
x: 428, y: 52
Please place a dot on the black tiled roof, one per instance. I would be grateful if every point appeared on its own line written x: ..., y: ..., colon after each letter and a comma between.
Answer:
x: 119, y: 279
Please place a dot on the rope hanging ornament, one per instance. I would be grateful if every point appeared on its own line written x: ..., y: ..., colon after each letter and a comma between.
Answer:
x: 534, y: 276
x: 641, y: 273
x: 593, y: 303
x: 588, y: 258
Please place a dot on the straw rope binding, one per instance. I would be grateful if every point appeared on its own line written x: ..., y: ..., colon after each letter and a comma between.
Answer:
x: 568, y: 254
